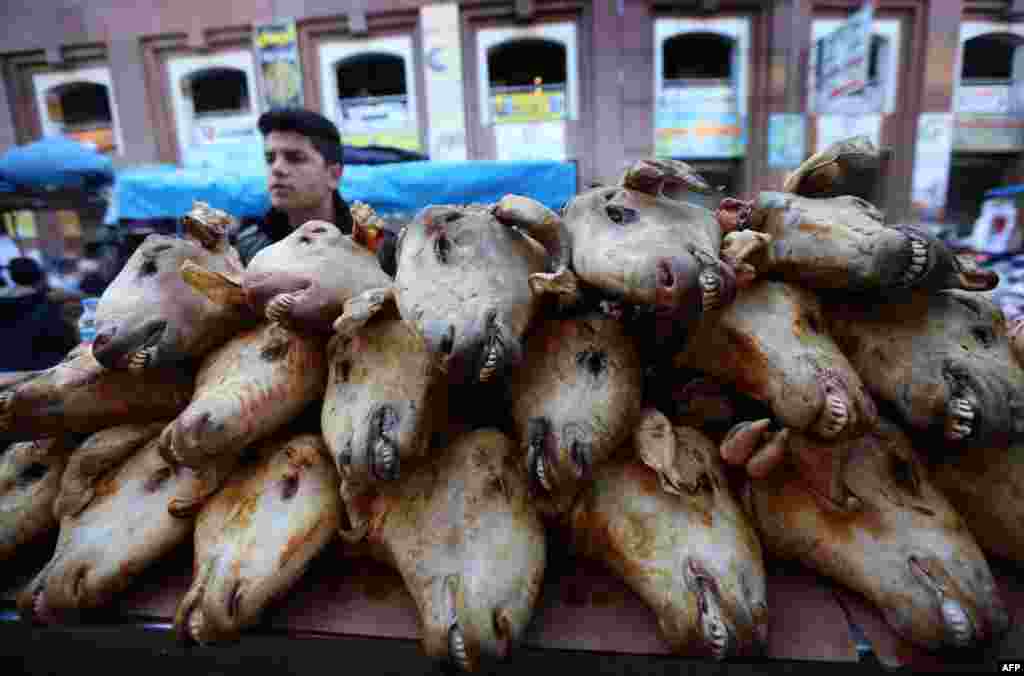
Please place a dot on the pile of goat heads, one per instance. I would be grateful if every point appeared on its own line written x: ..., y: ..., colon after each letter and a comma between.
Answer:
x: 660, y: 378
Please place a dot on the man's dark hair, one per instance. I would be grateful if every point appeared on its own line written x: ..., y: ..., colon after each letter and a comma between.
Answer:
x: 25, y: 271
x: 320, y: 131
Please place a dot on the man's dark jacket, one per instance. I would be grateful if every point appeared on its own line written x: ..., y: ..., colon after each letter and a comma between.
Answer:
x: 274, y: 227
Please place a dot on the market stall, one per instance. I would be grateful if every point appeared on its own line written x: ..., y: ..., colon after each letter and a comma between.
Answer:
x: 557, y: 449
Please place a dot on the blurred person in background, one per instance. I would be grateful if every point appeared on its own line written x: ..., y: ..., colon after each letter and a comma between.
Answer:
x: 34, y: 333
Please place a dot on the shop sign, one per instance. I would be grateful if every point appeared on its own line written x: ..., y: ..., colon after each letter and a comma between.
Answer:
x: 932, y: 157
x: 534, y: 105
x: 529, y: 141
x: 842, y: 56
x: 679, y: 100
x: 378, y: 121
x: 988, y: 133
x: 983, y: 99
x: 787, y: 140
x: 704, y: 135
x: 277, y: 53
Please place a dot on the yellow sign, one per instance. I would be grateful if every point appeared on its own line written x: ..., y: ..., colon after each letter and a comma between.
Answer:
x: 25, y: 224
x: 533, y: 106
x: 403, y: 140
x: 276, y: 35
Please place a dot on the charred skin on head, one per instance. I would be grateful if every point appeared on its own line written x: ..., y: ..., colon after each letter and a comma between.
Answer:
x: 899, y: 543
x: 95, y: 561
x: 772, y: 344
x: 637, y: 245
x: 304, y: 280
x: 291, y: 486
x: 943, y: 360
x: 151, y: 316
x: 79, y: 396
x: 667, y: 524
x: 245, y: 391
x: 575, y: 400
x: 386, y: 397
x: 463, y: 280
x: 30, y: 475
x: 470, y: 547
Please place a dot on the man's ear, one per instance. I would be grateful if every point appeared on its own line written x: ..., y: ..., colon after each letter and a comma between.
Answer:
x: 335, y: 171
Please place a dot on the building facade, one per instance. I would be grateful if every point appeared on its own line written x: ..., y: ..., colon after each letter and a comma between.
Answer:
x: 725, y: 85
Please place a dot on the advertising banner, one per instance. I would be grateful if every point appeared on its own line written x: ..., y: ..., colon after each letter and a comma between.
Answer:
x: 512, y: 106
x: 988, y: 133
x: 991, y: 99
x: 704, y: 135
x: 787, y: 140
x: 842, y: 56
x: 277, y: 55
x: 932, y: 156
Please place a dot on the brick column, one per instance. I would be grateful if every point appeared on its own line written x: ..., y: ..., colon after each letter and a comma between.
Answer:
x: 789, y: 25
x: 934, y: 90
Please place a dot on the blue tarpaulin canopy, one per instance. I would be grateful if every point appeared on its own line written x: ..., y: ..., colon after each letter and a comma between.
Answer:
x: 54, y: 163
x: 403, y: 188
x: 1008, y: 191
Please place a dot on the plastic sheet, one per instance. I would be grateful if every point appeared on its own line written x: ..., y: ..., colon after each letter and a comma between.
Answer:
x: 391, y: 189
x: 54, y: 163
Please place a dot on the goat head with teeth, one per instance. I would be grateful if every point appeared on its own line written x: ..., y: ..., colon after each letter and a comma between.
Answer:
x: 943, y: 360
x: 643, y: 243
x: 575, y: 401
x: 386, y: 397
x: 887, y: 533
x: 255, y: 538
x: 468, y: 542
x: 843, y: 243
x: 149, y: 317
x: 772, y: 345
x: 470, y: 279
x: 663, y: 519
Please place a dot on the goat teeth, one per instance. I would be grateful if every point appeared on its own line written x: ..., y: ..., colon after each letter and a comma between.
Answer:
x: 542, y: 473
x: 457, y: 648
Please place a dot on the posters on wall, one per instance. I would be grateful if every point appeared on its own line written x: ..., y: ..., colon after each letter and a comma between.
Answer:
x: 699, y: 134
x: 442, y: 49
x: 528, y: 141
x: 832, y: 128
x: 277, y: 55
x: 534, y: 105
x: 842, y: 57
x: 932, y: 157
x: 988, y: 133
x: 787, y: 140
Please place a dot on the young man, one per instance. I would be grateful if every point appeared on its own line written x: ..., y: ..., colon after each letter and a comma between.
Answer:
x: 304, y: 161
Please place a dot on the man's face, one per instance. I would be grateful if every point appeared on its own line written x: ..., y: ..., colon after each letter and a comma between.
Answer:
x: 298, y: 176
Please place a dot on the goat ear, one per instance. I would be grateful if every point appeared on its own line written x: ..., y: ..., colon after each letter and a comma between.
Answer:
x: 360, y: 309
x: 220, y: 288
x: 541, y: 223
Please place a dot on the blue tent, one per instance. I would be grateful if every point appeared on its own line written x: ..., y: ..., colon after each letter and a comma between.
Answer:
x: 157, y: 192
x: 52, y: 164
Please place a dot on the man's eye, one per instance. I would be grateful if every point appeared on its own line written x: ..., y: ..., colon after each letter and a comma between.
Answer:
x: 295, y: 158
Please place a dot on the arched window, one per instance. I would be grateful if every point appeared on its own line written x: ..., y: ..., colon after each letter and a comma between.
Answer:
x: 696, y: 56
x: 989, y: 57
x: 219, y: 91
x: 80, y: 104
x: 525, y: 63
x: 372, y: 74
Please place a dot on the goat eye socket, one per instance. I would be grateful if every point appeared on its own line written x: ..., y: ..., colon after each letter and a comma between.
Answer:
x: 442, y: 247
